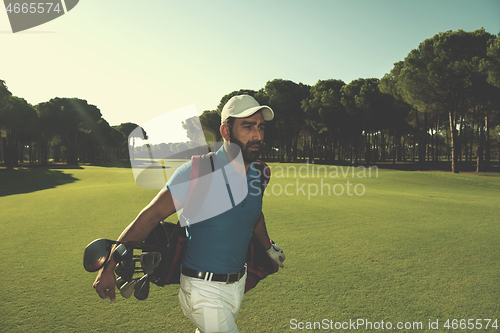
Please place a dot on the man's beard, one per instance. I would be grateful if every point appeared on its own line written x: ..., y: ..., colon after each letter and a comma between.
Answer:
x: 249, y: 156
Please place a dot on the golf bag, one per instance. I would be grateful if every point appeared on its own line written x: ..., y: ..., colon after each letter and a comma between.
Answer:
x: 259, y: 265
x: 171, y: 238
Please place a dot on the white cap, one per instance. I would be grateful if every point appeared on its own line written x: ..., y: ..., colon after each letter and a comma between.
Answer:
x: 243, y: 106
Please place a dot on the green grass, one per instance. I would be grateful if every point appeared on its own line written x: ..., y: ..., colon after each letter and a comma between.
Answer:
x: 415, y: 246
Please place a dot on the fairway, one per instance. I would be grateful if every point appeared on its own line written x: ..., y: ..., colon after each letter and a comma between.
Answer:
x: 360, y: 244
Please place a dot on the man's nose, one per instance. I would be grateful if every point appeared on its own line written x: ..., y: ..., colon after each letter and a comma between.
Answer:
x: 256, y: 134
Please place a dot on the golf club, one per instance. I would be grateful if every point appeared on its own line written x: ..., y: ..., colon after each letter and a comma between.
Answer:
x: 149, y: 261
x: 96, y: 254
x: 125, y: 272
x: 142, y: 288
x: 120, y: 282
x: 123, y: 254
x: 127, y: 289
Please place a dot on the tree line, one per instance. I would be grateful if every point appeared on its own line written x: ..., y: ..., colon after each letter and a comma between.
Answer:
x: 441, y: 102
x: 63, y: 129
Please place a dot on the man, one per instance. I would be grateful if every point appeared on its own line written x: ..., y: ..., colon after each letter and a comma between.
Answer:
x: 213, y: 268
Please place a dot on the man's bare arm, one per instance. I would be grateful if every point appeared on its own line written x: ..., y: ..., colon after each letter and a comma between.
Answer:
x: 260, y: 232
x: 273, y: 250
x: 162, y: 206
x: 158, y: 209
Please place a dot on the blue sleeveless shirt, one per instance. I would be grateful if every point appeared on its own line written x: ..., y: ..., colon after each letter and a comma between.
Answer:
x: 219, y: 243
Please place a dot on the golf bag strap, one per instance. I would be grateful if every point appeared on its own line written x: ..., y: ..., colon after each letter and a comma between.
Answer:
x: 265, y: 174
x: 196, y: 164
x: 199, y: 168
x: 195, y: 168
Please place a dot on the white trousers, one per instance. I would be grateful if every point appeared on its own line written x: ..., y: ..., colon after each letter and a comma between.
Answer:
x: 211, y: 306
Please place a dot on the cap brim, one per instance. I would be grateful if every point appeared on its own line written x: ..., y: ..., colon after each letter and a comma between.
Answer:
x: 267, y: 112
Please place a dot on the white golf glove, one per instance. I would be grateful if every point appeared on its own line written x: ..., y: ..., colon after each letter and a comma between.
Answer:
x: 276, y: 254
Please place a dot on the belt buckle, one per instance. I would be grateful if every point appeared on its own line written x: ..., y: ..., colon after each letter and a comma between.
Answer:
x: 229, y: 275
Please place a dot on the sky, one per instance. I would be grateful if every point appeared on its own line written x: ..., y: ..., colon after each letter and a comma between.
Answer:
x: 137, y: 60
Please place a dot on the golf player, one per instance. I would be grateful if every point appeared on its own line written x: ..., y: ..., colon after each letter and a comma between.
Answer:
x: 213, y: 268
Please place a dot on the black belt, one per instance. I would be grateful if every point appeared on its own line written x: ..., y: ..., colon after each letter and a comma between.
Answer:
x: 228, y: 278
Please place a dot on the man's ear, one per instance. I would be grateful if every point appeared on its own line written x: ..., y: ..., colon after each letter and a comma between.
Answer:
x: 224, y: 131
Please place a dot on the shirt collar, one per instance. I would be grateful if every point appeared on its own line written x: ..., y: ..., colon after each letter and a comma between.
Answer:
x: 222, y: 160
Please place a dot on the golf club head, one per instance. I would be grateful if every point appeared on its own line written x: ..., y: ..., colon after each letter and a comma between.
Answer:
x: 127, y: 289
x: 142, y: 288
x: 124, y: 254
x: 96, y: 254
x: 149, y: 261
x: 125, y: 273
x: 120, y: 282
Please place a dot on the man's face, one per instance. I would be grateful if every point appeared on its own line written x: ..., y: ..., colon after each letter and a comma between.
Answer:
x: 248, y: 134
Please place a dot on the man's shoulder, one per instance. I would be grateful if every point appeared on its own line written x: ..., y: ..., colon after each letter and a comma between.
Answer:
x: 181, y: 174
x: 261, y: 168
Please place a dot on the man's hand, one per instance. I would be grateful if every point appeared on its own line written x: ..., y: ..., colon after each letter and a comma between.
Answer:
x: 104, y: 283
x: 276, y: 254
